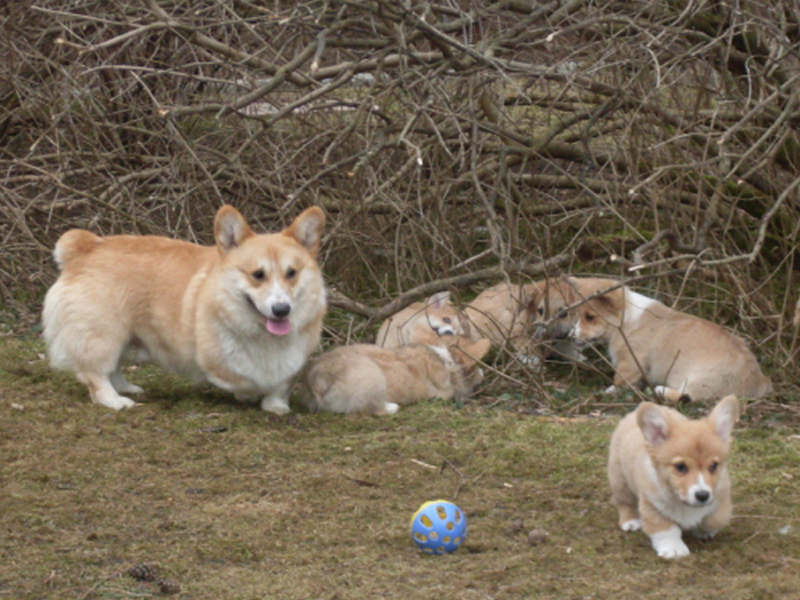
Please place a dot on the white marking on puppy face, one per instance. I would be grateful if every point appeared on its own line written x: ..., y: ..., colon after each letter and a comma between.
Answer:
x: 442, y: 327
x: 700, y: 493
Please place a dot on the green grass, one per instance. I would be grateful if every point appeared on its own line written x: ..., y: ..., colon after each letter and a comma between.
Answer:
x: 233, y: 503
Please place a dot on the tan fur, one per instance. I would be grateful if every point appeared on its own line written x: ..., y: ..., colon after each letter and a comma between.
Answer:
x: 525, y: 316
x: 679, y: 354
x: 425, y: 322
x: 365, y: 378
x: 669, y: 474
x: 243, y: 315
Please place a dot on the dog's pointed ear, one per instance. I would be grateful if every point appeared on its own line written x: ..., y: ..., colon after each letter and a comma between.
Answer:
x: 439, y: 300
x: 537, y: 300
x: 653, y: 423
x: 230, y: 229
x: 724, y: 416
x: 307, y: 229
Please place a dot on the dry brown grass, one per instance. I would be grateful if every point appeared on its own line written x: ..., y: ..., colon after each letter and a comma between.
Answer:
x: 231, y: 503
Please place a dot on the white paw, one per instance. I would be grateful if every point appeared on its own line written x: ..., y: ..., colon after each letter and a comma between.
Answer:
x: 612, y: 389
x: 530, y: 360
x: 660, y: 390
x: 122, y: 385
x: 117, y: 403
x: 277, y: 406
x: 668, y: 544
x: 131, y: 389
x: 632, y: 525
x: 391, y: 408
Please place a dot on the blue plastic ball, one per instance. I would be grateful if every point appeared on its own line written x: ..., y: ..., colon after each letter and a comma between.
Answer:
x: 439, y: 526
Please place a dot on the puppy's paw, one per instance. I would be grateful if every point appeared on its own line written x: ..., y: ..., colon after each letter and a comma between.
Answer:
x: 673, y: 550
x: 117, y: 403
x: 277, y: 406
x: 612, y: 389
x: 391, y: 408
x: 668, y: 544
x: 130, y: 388
x: 529, y: 360
x: 702, y: 534
x: 631, y: 525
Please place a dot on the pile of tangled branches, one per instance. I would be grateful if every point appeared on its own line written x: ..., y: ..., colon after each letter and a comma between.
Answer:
x: 451, y: 142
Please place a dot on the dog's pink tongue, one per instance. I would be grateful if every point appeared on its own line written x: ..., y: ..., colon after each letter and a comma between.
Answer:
x: 279, y: 326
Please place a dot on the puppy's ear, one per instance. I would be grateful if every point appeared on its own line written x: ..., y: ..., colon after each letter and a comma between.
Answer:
x: 439, y: 300
x: 306, y: 229
x: 653, y: 423
x: 724, y: 416
x: 536, y: 302
x: 230, y: 229
x: 612, y: 301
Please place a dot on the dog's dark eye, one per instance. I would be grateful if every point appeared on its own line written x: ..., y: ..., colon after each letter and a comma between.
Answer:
x: 712, y: 468
x: 589, y: 318
x: 681, y: 468
x: 446, y: 319
x: 291, y: 272
x: 258, y: 274
x: 541, y: 312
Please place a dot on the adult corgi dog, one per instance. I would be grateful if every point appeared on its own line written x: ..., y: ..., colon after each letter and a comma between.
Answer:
x: 681, y: 355
x: 422, y: 323
x: 365, y: 378
x: 531, y: 318
x: 669, y: 474
x: 243, y: 315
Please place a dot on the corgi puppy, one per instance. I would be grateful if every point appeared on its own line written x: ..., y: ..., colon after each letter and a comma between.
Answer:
x: 422, y: 323
x: 366, y: 378
x: 682, y: 356
x: 523, y: 315
x: 669, y: 474
x: 243, y: 315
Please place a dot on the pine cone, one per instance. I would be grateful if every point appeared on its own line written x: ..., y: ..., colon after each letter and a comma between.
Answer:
x: 145, y: 572
x: 169, y: 587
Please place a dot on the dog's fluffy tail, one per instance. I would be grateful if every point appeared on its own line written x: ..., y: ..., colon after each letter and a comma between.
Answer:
x: 74, y: 243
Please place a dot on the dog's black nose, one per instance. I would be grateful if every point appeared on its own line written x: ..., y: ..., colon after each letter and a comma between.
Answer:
x: 281, y: 310
x: 702, y: 496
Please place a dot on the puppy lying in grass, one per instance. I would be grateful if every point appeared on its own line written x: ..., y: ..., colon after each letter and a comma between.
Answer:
x: 365, y: 378
x: 682, y: 356
x: 669, y: 474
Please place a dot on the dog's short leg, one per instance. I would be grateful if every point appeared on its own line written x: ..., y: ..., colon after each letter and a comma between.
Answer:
x: 629, y: 518
x: 669, y: 543
x: 276, y: 404
x: 122, y: 385
x: 389, y: 409
x: 102, y: 391
x: 670, y: 395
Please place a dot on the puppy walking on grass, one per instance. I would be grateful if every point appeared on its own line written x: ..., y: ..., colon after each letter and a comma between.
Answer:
x: 669, y: 474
